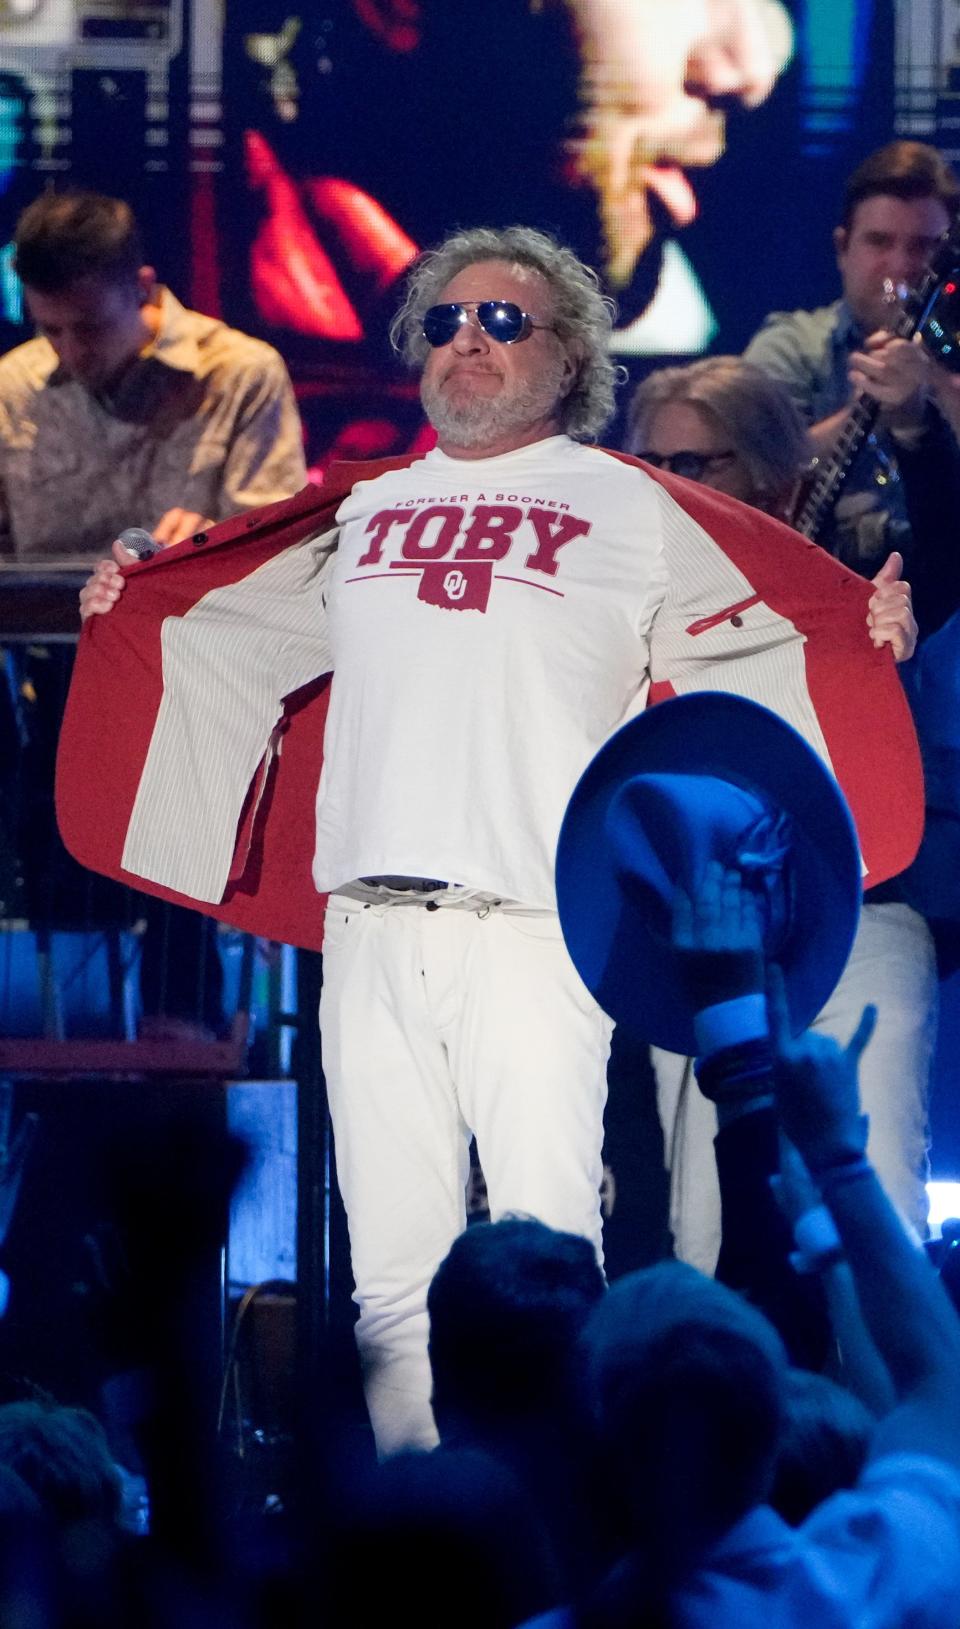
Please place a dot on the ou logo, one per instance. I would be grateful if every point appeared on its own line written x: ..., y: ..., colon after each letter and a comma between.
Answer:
x: 455, y: 585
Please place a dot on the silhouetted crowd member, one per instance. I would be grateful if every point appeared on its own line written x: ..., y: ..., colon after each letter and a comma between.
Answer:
x: 63, y: 1455
x: 688, y: 1387
x: 17, y: 1501
x: 823, y: 1444
x: 693, y: 813
x: 435, y: 1537
x: 507, y: 1307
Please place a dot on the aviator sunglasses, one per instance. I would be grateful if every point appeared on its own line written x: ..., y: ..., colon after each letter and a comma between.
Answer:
x: 501, y: 319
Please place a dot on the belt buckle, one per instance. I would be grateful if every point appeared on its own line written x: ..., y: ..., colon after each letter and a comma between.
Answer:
x: 407, y: 885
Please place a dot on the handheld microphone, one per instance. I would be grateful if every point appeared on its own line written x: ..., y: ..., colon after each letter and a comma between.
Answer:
x: 139, y: 543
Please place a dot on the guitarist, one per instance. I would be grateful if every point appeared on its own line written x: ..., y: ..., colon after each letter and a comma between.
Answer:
x: 901, y: 489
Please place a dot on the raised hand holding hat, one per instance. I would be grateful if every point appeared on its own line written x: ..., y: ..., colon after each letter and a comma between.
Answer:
x: 704, y: 777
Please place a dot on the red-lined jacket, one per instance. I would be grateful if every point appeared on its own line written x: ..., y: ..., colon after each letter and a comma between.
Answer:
x: 239, y: 845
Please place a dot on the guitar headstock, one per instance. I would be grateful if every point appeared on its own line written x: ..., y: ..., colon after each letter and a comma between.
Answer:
x: 935, y: 303
x: 946, y: 255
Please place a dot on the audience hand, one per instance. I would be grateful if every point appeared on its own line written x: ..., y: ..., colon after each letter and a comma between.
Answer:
x: 890, y: 615
x: 815, y: 1080
x: 717, y: 938
x: 793, y: 1187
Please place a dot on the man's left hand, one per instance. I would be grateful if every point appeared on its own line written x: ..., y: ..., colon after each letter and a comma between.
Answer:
x: 896, y: 373
x: 890, y: 615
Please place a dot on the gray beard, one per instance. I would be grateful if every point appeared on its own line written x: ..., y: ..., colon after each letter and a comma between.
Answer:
x: 486, y: 419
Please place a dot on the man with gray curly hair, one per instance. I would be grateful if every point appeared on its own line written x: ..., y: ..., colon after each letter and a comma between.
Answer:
x: 582, y: 319
x: 492, y: 611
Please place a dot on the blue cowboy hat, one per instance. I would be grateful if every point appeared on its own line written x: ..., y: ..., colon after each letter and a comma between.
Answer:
x: 707, y: 776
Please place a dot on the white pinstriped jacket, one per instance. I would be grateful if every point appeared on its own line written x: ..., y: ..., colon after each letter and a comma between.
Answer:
x: 192, y: 740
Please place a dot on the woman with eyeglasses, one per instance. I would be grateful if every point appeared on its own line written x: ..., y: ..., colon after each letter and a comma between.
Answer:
x: 728, y: 424
x: 725, y: 424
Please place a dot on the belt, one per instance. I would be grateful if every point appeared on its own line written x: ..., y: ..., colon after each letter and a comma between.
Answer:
x: 407, y: 885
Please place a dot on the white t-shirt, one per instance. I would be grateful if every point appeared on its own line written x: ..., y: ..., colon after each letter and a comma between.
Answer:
x: 489, y: 623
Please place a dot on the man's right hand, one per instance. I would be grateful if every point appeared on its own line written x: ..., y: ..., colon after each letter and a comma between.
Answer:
x: 103, y: 588
x: 106, y: 583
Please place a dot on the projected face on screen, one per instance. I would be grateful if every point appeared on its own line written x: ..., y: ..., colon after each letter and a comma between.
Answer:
x: 591, y: 117
x: 656, y: 81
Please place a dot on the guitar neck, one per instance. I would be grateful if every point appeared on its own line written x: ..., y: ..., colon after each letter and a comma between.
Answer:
x: 823, y: 494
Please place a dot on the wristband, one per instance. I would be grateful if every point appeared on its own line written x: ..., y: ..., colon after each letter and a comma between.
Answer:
x: 729, y: 1023
x: 806, y: 1265
x: 737, y: 1073
x: 850, y: 1170
x: 838, y: 1159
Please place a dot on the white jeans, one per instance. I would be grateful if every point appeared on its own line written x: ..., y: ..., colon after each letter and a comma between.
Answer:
x: 891, y: 964
x: 436, y: 1024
